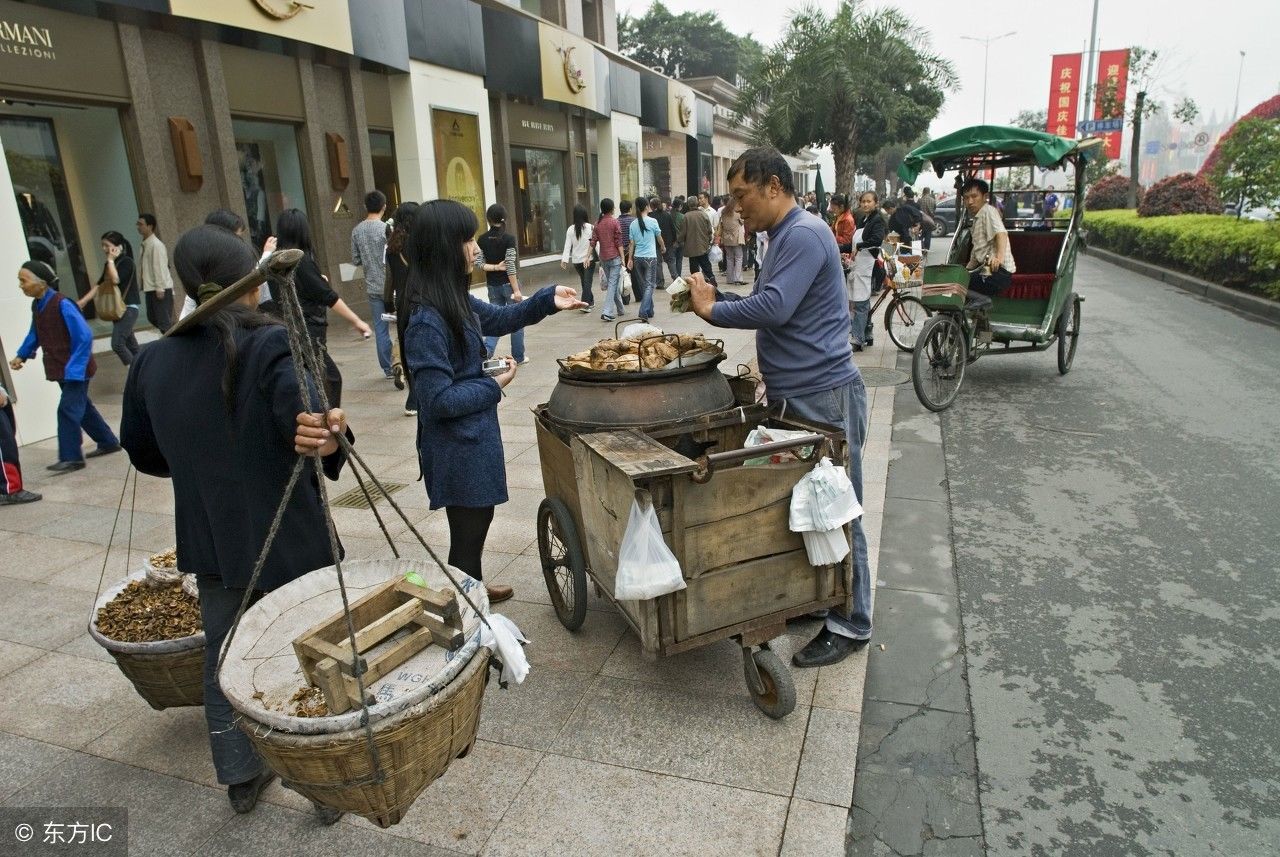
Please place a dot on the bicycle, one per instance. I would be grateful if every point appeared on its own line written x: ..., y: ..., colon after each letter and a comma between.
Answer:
x: 906, y: 314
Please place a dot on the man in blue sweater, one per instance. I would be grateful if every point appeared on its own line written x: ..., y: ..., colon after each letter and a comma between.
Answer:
x: 800, y: 313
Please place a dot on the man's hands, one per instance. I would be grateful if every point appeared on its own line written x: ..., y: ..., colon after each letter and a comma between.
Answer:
x: 702, y: 296
x: 567, y: 298
x: 16, y: 363
x: 315, y: 434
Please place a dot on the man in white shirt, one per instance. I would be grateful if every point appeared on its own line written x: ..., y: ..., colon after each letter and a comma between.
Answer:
x: 704, y: 202
x: 153, y: 274
x: 990, y: 263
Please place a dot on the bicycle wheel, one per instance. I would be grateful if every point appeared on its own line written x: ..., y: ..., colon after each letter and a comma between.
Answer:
x: 1068, y: 335
x: 904, y: 319
x: 938, y: 362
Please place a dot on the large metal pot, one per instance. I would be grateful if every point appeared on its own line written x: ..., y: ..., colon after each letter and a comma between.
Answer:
x: 629, y: 399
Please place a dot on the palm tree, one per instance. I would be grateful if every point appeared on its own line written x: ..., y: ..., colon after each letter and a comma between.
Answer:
x: 856, y: 81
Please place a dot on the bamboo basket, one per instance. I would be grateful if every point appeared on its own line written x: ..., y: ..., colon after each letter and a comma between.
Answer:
x: 424, y: 715
x: 415, y: 747
x: 166, y: 673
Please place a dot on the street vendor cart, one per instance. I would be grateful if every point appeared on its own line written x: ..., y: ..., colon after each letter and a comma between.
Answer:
x: 675, y: 438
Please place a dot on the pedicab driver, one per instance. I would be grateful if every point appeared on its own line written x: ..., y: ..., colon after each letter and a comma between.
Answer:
x: 800, y: 313
x: 990, y: 262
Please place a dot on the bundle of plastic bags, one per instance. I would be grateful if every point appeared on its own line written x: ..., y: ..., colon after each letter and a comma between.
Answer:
x: 822, y: 502
x: 766, y: 434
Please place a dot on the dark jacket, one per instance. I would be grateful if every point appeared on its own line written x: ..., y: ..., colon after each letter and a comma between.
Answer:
x: 459, y: 442
x: 229, y: 469
x: 315, y: 295
x: 667, y: 226
x: 874, y: 230
x: 904, y: 217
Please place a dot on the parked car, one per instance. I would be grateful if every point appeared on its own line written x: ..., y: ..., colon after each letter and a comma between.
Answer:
x: 944, y: 218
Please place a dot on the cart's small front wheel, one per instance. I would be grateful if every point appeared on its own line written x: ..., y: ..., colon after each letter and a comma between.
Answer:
x: 776, y: 694
x: 562, y: 564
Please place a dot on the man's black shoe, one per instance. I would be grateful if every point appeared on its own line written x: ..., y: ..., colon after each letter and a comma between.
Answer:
x: 826, y: 649
x: 23, y: 496
x: 244, y: 796
x: 104, y: 450
x: 66, y: 466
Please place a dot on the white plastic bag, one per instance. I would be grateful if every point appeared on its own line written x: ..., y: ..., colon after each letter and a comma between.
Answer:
x: 764, y: 434
x: 646, y: 566
x: 715, y: 254
x: 502, y: 635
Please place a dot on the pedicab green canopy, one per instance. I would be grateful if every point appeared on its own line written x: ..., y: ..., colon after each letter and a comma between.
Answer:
x: 989, y: 146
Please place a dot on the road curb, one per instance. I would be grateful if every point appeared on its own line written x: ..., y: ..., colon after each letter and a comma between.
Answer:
x: 1260, y: 308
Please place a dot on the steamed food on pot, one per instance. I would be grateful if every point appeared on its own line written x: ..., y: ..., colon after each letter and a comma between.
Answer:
x: 648, y: 350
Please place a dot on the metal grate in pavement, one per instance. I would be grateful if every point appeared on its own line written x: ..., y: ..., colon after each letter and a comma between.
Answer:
x: 875, y: 376
x: 355, y: 498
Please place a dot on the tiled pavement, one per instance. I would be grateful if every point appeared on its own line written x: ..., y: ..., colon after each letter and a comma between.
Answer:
x: 599, y: 752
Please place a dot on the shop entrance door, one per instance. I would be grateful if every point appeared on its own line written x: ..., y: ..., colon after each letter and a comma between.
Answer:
x: 538, y: 175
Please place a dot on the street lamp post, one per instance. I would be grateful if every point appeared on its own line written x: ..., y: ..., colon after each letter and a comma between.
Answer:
x: 1235, y: 110
x: 986, y: 51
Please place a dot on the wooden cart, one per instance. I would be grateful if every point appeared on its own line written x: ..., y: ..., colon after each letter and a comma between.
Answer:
x: 727, y: 524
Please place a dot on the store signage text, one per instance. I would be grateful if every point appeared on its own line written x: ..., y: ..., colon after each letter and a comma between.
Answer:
x: 24, y: 40
x: 532, y: 125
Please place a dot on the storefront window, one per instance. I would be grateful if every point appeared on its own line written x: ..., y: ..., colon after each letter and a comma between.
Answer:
x: 704, y: 176
x: 459, y: 170
x: 540, y: 207
x: 595, y: 185
x: 382, y: 149
x: 629, y: 169
x: 657, y: 177
x: 71, y: 182
x: 270, y: 173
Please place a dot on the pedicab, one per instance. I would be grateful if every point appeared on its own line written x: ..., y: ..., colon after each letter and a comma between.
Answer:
x: 676, y: 438
x: 1040, y: 308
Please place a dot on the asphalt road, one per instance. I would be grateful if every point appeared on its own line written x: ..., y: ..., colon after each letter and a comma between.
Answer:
x: 1116, y: 535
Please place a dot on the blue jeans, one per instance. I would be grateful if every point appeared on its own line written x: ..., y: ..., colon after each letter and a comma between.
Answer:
x: 647, y: 274
x: 501, y: 296
x: 612, y: 296
x: 76, y: 412
x: 234, y: 758
x: 123, y: 342
x: 381, y: 335
x: 673, y: 259
x: 858, y: 321
x: 586, y: 273
x: 846, y: 407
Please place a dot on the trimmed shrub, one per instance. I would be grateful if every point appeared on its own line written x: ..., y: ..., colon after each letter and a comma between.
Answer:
x: 1239, y: 253
x: 1110, y: 192
x: 1185, y: 193
x: 1269, y: 109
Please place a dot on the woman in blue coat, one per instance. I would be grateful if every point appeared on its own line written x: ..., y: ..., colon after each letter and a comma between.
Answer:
x: 443, y: 329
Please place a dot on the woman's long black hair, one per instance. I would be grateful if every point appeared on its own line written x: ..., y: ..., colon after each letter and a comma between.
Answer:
x: 438, y: 267
x: 642, y: 205
x: 579, y: 220
x: 403, y: 222
x: 212, y: 254
x: 293, y: 232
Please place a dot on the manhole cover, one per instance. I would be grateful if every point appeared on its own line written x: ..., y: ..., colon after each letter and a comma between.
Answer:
x: 875, y: 376
x: 355, y: 498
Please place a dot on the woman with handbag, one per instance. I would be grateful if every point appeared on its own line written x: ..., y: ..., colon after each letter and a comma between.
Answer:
x: 116, y: 296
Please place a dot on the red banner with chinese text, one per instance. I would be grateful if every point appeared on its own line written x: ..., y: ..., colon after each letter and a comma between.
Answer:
x: 1113, y: 80
x: 1064, y: 95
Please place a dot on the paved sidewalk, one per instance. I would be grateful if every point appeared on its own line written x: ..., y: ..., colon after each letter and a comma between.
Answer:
x: 599, y: 752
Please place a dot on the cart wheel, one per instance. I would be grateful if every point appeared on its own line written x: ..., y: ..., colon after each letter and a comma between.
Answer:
x: 562, y: 563
x: 778, y: 698
x: 904, y: 319
x: 939, y: 360
x: 1068, y: 335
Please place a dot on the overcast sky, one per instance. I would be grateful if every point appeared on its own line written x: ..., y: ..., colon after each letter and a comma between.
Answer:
x: 1201, y: 43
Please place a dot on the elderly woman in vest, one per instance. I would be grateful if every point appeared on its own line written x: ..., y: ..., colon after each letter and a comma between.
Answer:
x: 60, y: 330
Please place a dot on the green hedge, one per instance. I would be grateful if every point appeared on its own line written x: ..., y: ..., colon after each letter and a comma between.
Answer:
x: 1219, y: 248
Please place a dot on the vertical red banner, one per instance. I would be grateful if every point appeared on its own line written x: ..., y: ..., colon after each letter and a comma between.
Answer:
x: 1064, y: 95
x: 1113, y: 81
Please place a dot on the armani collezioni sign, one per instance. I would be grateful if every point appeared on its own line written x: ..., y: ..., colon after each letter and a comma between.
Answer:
x: 24, y: 40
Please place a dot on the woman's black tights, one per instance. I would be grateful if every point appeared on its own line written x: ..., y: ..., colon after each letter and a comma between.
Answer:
x: 468, y: 528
